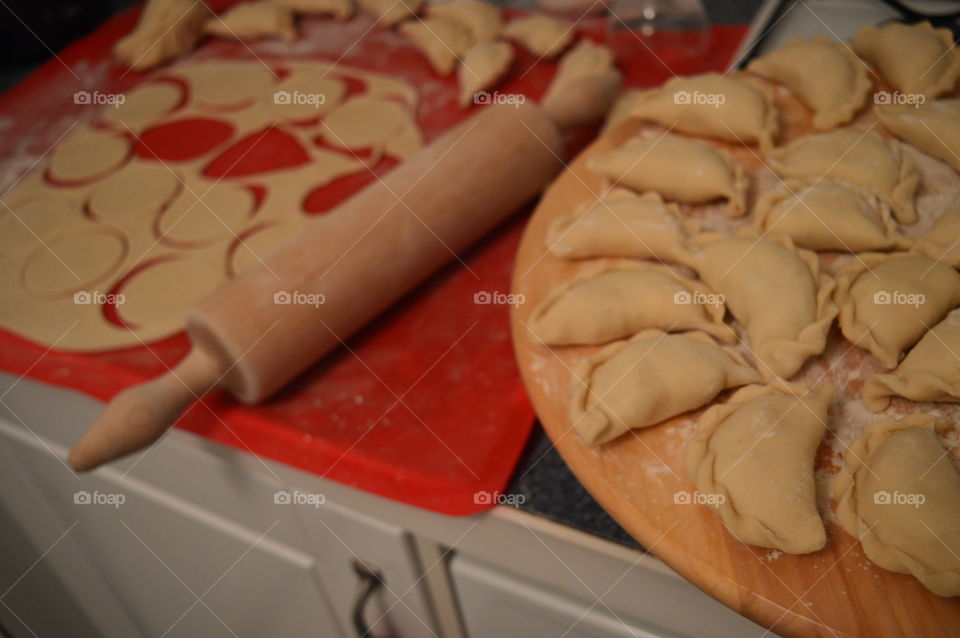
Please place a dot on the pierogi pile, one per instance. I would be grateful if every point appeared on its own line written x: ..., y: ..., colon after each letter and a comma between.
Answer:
x: 712, y: 275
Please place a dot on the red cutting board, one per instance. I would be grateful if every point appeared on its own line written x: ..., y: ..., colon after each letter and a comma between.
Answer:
x: 426, y: 406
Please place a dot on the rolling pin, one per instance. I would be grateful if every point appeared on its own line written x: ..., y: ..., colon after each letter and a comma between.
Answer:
x: 260, y: 330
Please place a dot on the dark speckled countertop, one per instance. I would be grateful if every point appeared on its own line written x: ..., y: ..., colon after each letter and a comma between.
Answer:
x: 550, y: 489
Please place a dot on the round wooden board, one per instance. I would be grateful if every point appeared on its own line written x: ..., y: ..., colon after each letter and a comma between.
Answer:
x: 834, y: 592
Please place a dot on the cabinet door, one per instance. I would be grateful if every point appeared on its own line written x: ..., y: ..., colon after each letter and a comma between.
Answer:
x: 340, y: 535
x: 35, y: 552
x: 177, y: 567
x: 495, y: 603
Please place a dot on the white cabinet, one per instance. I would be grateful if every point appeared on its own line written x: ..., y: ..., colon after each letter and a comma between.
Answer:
x: 178, y: 569
x: 188, y: 545
x: 495, y: 603
x: 191, y: 539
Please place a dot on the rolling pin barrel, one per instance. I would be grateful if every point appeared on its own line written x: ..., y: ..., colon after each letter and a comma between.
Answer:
x: 314, y: 292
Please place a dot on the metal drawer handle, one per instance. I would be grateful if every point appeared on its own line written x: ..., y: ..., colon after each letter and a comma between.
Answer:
x: 370, y: 581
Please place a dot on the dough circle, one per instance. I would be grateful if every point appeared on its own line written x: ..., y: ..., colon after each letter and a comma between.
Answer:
x: 205, y: 214
x: 144, y: 105
x: 303, y: 98
x: 164, y: 291
x: 225, y: 84
x: 86, y: 154
x: 24, y: 225
x: 134, y: 191
x: 365, y: 122
x: 255, y: 248
x: 72, y: 262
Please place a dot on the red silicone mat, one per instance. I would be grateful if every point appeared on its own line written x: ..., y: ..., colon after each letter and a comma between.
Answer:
x: 426, y: 406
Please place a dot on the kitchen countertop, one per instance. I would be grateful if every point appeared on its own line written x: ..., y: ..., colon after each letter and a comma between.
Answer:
x: 551, y: 490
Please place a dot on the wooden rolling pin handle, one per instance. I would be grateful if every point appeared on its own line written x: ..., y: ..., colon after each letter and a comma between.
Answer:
x: 138, y: 416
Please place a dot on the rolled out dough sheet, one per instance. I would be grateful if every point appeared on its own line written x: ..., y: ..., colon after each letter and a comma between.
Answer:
x: 149, y: 237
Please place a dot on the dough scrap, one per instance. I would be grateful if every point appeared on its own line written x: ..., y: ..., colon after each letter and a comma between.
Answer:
x: 136, y: 190
x: 942, y: 241
x: 86, y: 154
x: 888, y: 301
x: 887, y: 471
x: 865, y: 159
x: 254, y: 21
x: 665, y: 165
x: 339, y: 9
x: 541, y: 35
x: 586, y: 59
x: 390, y: 12
x: 616, y: 302
x: 482, y: 68
x: 621, y: 224
x: 776, y: 290
x: 648, y: 379
x: 825, y: 75
x: 35, y: 290
x: 755, y: 455
x: 442, y: 41
x: 915, y: 59
x: 712, y: 105
x: 826, y: 215
x: 301, y: 98
x: 933, y: 127
x: 167, y: 29
x: 929, y: 372
x: 407, y: 142
x: 481, y: 19
x: 144, y: 105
